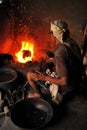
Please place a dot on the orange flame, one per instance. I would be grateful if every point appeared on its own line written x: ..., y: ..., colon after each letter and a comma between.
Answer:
x: 26, y: 52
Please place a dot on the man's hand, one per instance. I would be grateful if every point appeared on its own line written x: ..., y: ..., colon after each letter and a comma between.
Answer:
x: 36, y: 75
x: 40, y: 75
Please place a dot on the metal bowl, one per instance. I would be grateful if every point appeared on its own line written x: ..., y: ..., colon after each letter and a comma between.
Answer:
x: 7, y: 76
x: 31, y: 114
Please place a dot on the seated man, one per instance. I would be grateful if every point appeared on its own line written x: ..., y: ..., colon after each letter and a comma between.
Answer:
x: 67, y: 61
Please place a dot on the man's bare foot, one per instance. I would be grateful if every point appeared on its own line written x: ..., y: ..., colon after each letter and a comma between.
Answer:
x: 33, y: 95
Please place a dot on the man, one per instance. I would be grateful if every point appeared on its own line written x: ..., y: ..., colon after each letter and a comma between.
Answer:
x: 67, y: 62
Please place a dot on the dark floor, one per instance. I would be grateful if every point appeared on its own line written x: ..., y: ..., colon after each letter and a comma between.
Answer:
x: 71, y: 115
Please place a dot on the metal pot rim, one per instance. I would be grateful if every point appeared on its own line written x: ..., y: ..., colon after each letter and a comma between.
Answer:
x: 10, y: 71
x: 39, y: 103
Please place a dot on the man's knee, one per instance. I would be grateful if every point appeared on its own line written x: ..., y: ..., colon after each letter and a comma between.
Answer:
x: 28, y: 75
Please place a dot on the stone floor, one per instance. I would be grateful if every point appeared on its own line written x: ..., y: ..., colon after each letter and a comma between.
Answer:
x: 71, y: 115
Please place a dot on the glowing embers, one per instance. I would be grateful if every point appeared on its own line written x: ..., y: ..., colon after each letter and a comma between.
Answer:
x: 26, y: 52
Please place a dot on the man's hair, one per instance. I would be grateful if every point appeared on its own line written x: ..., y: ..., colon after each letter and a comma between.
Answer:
x: 66, y: 35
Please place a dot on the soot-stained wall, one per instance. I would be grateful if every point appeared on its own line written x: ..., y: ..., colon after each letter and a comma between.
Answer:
x: 31, y: 18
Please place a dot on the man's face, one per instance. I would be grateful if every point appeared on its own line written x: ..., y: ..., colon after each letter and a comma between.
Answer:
x: 56, y: 31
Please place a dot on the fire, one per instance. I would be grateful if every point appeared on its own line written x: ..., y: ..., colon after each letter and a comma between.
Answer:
x: 26, y: 52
